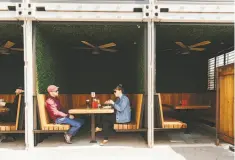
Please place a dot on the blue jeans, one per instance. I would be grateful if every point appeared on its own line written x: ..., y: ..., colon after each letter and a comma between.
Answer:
x: 75, y: 124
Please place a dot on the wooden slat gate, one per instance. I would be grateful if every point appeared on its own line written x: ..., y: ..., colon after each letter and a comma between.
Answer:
x: 225, y: 104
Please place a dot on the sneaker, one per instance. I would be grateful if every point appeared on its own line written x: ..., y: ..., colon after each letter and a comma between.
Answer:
x: 97, y: 129
x: 67, y: 138
x: 103, y: 142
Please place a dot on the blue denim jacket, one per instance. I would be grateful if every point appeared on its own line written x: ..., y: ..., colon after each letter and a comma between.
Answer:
x: 123, y: 110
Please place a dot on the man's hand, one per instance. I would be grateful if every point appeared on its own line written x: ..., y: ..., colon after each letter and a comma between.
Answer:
x: 2, y: 104
x: 71, y: 116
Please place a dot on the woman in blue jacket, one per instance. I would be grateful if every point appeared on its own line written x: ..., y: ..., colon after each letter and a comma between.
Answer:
x: 122, y: 113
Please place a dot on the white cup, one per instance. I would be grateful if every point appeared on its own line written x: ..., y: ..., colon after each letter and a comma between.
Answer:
x: 92, y: 94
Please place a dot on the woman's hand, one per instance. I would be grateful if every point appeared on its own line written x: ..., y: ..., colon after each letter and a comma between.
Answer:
x: 111, y: 102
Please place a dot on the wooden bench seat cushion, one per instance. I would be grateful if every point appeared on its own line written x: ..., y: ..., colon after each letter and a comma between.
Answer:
x: 126, y: 126
x: 56, y: 127
x: 164, y: 121
x: 7, y: 126
x: 173, y: 123
x: 44, y: 117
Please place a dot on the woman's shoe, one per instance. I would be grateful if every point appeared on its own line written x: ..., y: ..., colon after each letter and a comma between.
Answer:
x: 97, y: 129
x: 103, y: 142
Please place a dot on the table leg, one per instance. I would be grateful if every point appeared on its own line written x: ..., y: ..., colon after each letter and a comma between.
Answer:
x: 231, y: 148
x: 185, y: 118
x: 93, y: 139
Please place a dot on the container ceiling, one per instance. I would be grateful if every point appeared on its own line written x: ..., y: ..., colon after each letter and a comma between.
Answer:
x: 220, y: 36
x: 92, y: 1
x: 11, y: 32
x: 126, y: 35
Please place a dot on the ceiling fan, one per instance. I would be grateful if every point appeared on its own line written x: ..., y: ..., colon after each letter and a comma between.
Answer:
x: 97, y: 49
x: 7, y: 48
x: 186, y: 49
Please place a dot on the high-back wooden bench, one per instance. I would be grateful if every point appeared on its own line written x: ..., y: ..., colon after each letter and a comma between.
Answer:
x: 45, y: 123
x: 12, y: 127
x: 136, y: 101
x: 78, y: 100
x: 163, y: 121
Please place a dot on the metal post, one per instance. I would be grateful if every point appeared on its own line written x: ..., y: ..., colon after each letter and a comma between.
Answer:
x: 28, y: 71
x: 150, y: 85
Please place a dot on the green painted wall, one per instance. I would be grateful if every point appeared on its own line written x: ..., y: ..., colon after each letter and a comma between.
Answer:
x: 11, y: 66
x: 180, y: 73
x: 12, y: 73
x: 81, y: 72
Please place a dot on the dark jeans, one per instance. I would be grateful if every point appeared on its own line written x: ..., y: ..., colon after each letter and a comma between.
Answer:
x: 75, y: 124
x: 106, y: 123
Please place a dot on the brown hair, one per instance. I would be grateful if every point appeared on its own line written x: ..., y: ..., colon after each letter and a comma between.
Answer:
x: 119, y: 87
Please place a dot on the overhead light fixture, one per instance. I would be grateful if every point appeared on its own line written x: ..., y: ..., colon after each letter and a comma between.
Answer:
x: 138, y: 26
x: 134, y: 42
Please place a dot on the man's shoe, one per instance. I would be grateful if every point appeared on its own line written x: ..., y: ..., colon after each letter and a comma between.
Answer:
x: 67, y: 138
x: 97, y: 129
x: 8, y: 139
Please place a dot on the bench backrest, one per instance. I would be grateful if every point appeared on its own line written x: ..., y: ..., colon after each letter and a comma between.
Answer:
x: 78, y: 100
x: 136, y: 101
x: 10, y: 98
x: 159, y: 118
x: 43, y: 115
x: 18, y: 111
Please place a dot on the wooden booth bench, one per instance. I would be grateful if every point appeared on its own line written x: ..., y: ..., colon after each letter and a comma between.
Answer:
x: 14, y: 127
x: 78, y: 100
x: 164, y: 122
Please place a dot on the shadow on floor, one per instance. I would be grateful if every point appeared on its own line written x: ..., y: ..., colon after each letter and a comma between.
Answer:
x: 19, y: 144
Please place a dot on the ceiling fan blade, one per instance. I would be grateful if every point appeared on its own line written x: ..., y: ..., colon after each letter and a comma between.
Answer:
x: 180, y: 44
x: 17, y: 49
x: 88, y: 44
x: 200, y: 44
x: 82, y: 48
x: 185, y: 53
x: 109, y: 50
x: 107, y: 45
x: 9, y: 44
x: 197, y: 49
x: 165, y: 50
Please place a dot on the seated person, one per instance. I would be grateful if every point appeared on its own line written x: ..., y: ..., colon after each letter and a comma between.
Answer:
x: 60, y: 115
x: 122, y: 114
x: 11, y: 115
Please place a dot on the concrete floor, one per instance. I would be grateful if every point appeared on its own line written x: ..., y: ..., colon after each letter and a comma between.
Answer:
x: 199, y: 144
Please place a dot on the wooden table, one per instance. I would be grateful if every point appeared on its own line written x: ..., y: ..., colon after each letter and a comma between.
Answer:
x: 185, y: 108
x: 91, y: 111
x: 191, y: 107
x: 3, y: 110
